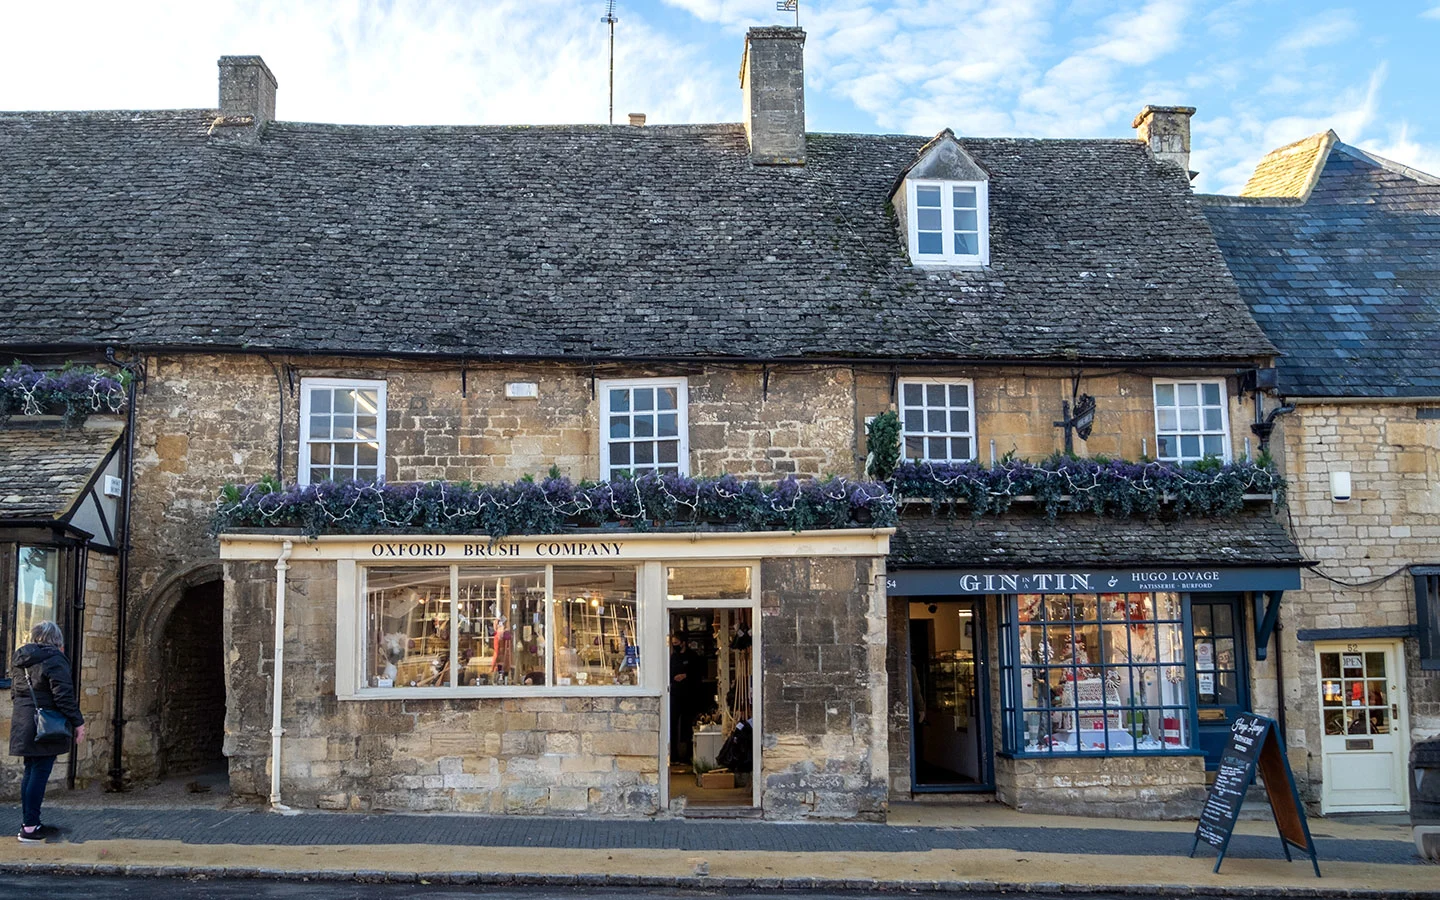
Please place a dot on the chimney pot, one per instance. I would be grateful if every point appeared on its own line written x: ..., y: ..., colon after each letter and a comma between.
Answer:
x: 637, y: 119
x: 1166, y: 129
x: 247, y: 94
x: 772, y: 82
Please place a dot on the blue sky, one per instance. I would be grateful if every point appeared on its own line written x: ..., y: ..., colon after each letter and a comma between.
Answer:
x: 1261, y: 72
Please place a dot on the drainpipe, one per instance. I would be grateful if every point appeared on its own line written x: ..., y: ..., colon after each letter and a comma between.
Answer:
x: 136, y: 367
x: 282, y: 565
x: 1280, y: 684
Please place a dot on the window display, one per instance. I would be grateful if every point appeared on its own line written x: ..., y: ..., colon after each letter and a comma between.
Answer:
x: 1354, y: 693
x: 1096, y: 673
x: 595, y: 619
x: 489, y: 626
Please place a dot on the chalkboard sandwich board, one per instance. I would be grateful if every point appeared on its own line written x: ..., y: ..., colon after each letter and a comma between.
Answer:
x: 1254, y: 746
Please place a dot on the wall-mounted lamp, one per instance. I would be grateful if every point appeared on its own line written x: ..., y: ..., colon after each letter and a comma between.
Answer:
x: 1339, y: 486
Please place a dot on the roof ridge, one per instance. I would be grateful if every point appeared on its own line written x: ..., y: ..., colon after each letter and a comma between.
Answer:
x: 1388, y: 165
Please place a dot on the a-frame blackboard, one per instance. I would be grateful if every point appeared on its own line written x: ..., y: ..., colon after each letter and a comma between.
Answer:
x: 1254, y: 744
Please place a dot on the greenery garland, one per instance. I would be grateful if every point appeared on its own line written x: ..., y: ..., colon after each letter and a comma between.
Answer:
x: 74, y: 392
x: 1067, y: 484
x: 555, y: 505
x: 882, y: 439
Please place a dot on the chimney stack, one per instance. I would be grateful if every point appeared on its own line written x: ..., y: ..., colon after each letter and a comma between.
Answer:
x: 247, y: 97
x: 1167, y: 130
x: 637, y: 119
x: 772, y: 80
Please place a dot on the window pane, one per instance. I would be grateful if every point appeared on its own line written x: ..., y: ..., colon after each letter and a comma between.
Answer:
x: 927, y: 196
x: 1167, y: 420
x: 644, y: 399
x: 935, y: 394
x: 319, y: 401
x: 502, y: 627
x: 668, y: 398
x: 960, y: 395
x: 1189, y: 419
x: 1165, y: 395
x: 597, y: 641
x: 928, y: 219
x: 936, y: 448
x: 620, y: 455
x: 1188, y: 393
x: 319, y: 474
x: 619, y: 426
x: 367, y: 474
x: 935, y: 420
x: 1190, y: 446
x: 967, y: 220
x: 36, y: 585
x: 1211, y: 393
x: 644, y: 426
x: 930, y: 242
x: 367, y: 455
x: 913, y: 394
x: 322, y: 454
x: 409, y: 614
x: 668, y: 425
x: 669, y: 451
x: 914, y: 447
x: 914, y: 420
x: 1165, y: 447
x: 344, y: 454
x: 344, y: 428
x: 964, y: 197
x: 619, y: 400
x: 319, y: 427
x: 708, y: 582
x: 1212, y: 420
x: 960, y: 448
x: 365, y: 428
x: 959, y: 420
x: 1214, y: 445
x: 344, y: 401
x: 967, y: 244
x: 644, y: 453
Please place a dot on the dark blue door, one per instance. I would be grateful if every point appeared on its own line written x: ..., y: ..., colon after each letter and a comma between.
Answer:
x: 1222, y: 672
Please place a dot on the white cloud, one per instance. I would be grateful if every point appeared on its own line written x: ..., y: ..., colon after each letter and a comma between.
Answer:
x: 506, y: 61
x: 1330, y: 27
x: 1431, y: 13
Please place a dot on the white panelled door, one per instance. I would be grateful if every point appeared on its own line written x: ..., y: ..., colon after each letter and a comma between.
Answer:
x: 1366, y: 731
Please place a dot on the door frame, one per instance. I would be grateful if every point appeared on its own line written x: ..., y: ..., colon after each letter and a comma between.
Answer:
x: 1399, y: 720
x: 985, y: 723
x: 1243, y: 671
x: 757, y: 704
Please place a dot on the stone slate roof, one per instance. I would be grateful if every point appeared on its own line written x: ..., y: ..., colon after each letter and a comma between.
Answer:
x: 1290, y: 171
x: 1025, y: 540
x: 135, y: 228
x: 44, y: 470
x: 1345, y: 274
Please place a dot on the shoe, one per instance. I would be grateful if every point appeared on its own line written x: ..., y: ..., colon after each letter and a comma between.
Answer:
x: 32, y: 837
x: 48, y: 831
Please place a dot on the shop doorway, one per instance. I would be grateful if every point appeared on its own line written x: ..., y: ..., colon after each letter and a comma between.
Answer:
x: 1222, y: 671
x: 192, y: 686
x: 1365, y: 742
x: 950, y: 731
x: 712, y: 710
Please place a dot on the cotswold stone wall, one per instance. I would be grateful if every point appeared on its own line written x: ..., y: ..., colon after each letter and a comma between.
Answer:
x: 1137, y: 787
x: 825, y: 732
x: 97, y: 688
x: 1391, y: 521
x: 551, y: 755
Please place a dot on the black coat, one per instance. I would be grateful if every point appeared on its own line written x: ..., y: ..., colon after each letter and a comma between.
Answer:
x: 54, y: 689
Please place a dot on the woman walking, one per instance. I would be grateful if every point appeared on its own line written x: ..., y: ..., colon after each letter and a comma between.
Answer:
x: 41, y: 678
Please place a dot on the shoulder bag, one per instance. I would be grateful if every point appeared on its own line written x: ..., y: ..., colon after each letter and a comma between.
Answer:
x: 50, y: 725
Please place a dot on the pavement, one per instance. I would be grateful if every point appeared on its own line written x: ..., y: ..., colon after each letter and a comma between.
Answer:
x: 944, y: 847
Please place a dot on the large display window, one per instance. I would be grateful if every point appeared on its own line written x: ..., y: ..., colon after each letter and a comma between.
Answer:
x: 440, y: 628
x: 1096, y: 674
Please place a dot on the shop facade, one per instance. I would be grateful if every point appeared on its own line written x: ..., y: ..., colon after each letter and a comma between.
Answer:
x: 531, y: 674
x: 1074, y: 688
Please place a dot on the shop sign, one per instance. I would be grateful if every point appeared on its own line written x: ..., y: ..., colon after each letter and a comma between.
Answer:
x: 497, y: 550
x: 933, y: 582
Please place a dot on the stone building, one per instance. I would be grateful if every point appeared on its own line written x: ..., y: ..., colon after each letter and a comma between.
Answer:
x: 474, y: 305
x: 1337, y: 252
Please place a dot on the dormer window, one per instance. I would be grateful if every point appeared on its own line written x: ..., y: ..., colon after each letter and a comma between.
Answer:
x: 949, y: 223
x: 943, y: 201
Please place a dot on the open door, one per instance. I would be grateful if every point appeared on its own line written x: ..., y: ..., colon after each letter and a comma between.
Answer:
x: 950, y: 697
x: 713, y: 700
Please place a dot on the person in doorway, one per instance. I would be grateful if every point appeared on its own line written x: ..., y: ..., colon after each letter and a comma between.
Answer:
x: 684, y: 680
x: 42, y: 678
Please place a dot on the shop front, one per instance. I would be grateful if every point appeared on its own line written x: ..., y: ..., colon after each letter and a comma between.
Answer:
x: 1098, y: 686
x: 616, y: 673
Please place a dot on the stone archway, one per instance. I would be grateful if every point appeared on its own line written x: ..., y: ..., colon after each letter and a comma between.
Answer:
x: 169, y: 611
x: 191, y: 689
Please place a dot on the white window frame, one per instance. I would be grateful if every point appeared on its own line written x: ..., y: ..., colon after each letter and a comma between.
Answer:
x: 306, y: 385
x: 904, y: 433
x: 1203, y: 432
x: 682, y: 425
x: 947, y: 224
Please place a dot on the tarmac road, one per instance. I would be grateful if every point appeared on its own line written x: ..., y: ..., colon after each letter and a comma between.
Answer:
x: 24, y: 887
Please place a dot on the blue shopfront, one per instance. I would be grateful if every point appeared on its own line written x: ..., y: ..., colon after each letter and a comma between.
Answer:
x: 1081, y: 662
